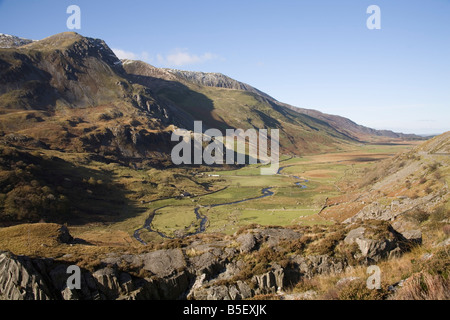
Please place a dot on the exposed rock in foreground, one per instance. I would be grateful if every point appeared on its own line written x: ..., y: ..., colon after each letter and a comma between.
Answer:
x: 256, y: 261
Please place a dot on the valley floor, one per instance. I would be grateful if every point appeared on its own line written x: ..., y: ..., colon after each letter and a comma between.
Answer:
x: 300, y: 192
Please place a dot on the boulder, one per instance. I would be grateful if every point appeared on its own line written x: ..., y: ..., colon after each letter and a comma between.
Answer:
x: 64, y: 235
x: 247, y: 241
x: 164, y: 263
x: 207, y: 263
x: 373, y: 250
x: 414, y: 236
x: 108, y: 282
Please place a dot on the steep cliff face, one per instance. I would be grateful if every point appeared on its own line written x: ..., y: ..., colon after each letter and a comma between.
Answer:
x: 65, y: 70
x: 257, y: 261
x: 21, y: 280
x: 76, y: 88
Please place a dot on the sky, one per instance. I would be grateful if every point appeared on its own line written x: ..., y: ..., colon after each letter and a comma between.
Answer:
x: 316, y: 54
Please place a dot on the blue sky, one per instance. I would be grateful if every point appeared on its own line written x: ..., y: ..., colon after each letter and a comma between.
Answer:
x: 315, y: 54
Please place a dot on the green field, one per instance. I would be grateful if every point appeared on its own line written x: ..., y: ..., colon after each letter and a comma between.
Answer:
x: 289, y: 205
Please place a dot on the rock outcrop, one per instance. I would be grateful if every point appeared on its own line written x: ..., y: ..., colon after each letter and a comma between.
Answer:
x: 259, y: 261
x: 373, y: 249
x: 20, y: 279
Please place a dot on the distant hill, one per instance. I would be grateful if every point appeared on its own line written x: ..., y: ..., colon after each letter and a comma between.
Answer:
x: 437, y: 145
x: 352, y: 129
x: 9, y: 41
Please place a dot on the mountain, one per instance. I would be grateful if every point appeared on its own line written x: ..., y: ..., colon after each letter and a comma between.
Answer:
x: 340, y: 124
x: 69, y: 92
x: 352, y: 129
x: 223, y: 103
x: 217, y: 80
x: 343, y: 125
x: 9, y: 41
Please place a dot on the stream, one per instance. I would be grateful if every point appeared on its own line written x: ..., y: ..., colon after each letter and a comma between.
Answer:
x: 266, y: 192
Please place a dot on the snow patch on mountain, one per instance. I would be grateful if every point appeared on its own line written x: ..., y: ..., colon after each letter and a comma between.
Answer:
x: 10, y: 41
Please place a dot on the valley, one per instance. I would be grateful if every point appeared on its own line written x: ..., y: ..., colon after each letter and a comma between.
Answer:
x: 87, y: 179
x: 244, y: 197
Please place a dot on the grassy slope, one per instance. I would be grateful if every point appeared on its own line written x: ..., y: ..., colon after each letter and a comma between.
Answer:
x: 412, y: 175
x: 71, y: 187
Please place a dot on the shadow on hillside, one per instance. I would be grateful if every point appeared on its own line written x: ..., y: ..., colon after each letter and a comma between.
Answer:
x: 51, y: 189
x: 172, y: 94
x: 96, y: 195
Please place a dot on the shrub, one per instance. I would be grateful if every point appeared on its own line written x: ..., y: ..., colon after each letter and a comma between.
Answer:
x: 439, y: 264
x: 437, y: 175
x: 328, y: 244
x: 355, y: 290
x: 306, y: 284
x: 27, y: 203
x: 247, y: 227
x: 2, y: 199
x: 446, y: 230
x: 433, y: 167
x: 440, y: 214
x: 424, y: 286
x: 299, y: 245
x: 419, y: 215
x: 408, y: 184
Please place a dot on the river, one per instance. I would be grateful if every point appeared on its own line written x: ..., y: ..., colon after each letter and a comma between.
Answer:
x: 265, y: 192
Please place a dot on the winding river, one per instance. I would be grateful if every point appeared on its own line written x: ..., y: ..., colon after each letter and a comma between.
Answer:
x: 265, y: 192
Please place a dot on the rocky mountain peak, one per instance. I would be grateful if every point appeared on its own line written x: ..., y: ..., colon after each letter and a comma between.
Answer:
x: 75, y: 46
x: 10, y: 41
x: 214, y: 79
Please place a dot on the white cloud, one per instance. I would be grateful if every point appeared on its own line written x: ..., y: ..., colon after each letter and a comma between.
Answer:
x: 122, y: 54
x: 181, y: 57
x: 178, y: 57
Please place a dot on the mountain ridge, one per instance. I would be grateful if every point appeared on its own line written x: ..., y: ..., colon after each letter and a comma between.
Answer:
x: 134, y: 106
x: 219, y: 80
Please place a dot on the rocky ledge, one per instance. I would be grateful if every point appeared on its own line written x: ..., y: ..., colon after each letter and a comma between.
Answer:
x: 257, y: 260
